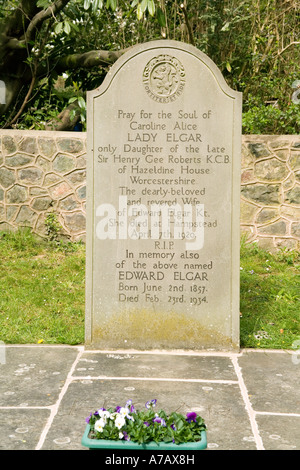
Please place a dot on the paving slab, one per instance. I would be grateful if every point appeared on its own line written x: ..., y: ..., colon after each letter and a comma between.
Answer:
x: 249, y: 400
x: 272, y: 380
x: 177, y: 366
x: 34, y: 376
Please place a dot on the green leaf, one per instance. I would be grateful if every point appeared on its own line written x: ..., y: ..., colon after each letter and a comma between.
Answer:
x: 81, y: 102
x: 134, y: 3
x: 67, y: 27
x: 139, y: 12
x: 42, y: 4
x: 161, y: 17
x: 144, y: 5
x: 58, y: 27
x: 86, y: 4
x: 151, y: 7
x: 228, y: 66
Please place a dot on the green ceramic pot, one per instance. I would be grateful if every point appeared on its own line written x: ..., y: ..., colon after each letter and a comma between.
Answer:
x: 122, y: 444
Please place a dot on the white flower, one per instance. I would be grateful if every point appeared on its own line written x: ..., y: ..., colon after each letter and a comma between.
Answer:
x: 123, y: 411
x: 119, y: 421
x: 121, y: 435
x: 104, y: 414
x: 99, y: 425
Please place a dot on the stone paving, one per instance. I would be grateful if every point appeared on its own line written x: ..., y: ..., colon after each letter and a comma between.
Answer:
x: 249, y: 400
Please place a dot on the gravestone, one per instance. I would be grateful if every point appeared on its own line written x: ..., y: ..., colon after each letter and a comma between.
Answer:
x: 163, y: 190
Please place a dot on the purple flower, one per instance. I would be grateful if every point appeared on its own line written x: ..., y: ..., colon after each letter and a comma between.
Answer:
x: 87, y: 420
x: 125, y: 435
x: 150, y: 404
x: 146, y: 423
x: 173, y: 427
x: 118, y: 408
x: 191, y: 416
x: 159, y: 420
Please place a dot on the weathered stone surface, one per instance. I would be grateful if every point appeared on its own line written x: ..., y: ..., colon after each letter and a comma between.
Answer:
x: 9, y: 145
x: 277, y: 228
x: 289, y: 182
x: 247, y: 211
x: 17, y: 194
x: 267, y: 194
x: 293, y: 196
x: 278, y: 143
x: 68, y: 204
x: 290, y: 212
x: 247, y: 176
x: 81, y: 192
x: 295, y: 160
x: 295, y: 230
x: 29, y: 145
x: 267, y: 215
x: 81, y: 161
x: 77, y: 177
x: 288, y: 243
x: 247, y: 159
x: 283, y: 154
x: 11, y: 212
x: 271, y: 170
x: 70, y: 145
x: 297, y: 176
x: 266, y: 244
x: 31, y: 175
x: 1, y: 194
x: 75, y: 222
x: 247, y: 231
x: 7, y: 177
x: 18, y: 159
x: 63, y: 163
x: 2, y: 213
x: 26, y: 216
x: 47, y: 146
x: 41, y: 203
x: 43, y: 163
x: 60, y: 190
x: 36, y: 191
x: 258, y: 150
x: 50, y: 179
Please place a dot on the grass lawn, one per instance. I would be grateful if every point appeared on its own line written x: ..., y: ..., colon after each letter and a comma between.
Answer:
x: 42, y: 293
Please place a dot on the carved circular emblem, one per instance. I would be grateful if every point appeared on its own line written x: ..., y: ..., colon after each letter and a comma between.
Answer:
x: 164, y: 78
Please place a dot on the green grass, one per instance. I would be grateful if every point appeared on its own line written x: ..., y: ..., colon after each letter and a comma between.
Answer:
x: 42, y: 290
x: 269, y: 298
x: 42, y: 293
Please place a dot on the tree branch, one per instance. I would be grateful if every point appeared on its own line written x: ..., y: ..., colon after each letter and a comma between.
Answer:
x: 88, y: 59
x: 43, y: 15
x: 293, y: 43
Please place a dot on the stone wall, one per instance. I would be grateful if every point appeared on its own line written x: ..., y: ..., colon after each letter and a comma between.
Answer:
x: 42, y: 172
x: 270, y: 190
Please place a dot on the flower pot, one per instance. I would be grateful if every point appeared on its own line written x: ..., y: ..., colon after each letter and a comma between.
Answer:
x: 122, y: 444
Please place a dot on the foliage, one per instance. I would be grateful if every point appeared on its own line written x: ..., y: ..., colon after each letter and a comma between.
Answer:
x: 254, y: 43
x: 146, y: 425
x: 52, y: 226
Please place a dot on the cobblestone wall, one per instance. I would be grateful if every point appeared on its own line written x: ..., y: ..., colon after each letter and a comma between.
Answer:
x: 42, y: 172
x: 270, y: 191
